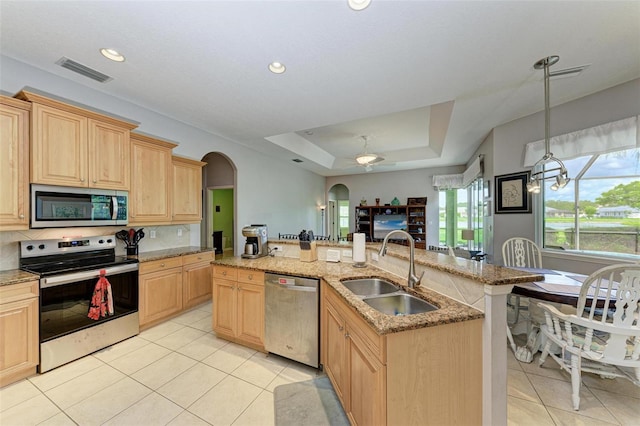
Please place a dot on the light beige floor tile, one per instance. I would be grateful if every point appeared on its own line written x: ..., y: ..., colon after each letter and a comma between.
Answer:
x: 108, y: 402
x: 573, y: 418
x: 526, y: 413
x: 186, y: 388
x: 187, y: 419
x: 140, y: 358
x: 151, y: 410
x: 206, y: 307
x: 550, y: 369
x: 260, y: 412
x: 229, y: 357
x: 163, y: 370
x: 557, y: 394
x: 120, y: 349
x: 204, y: 324
x: 223, y: 404
x: 618, y: 385
x: 512, y: 362
x: 260, y: 369
x: 518, y: 386
x: 294, y: 372
x: 81, y: 387
x: 180, y: 338
x: 203, y: 347
x: 29, y: 412
x: 159, y: 331
x: 62, y: 374
x: 625, y: 409
x: 60, y: 419
x: 192, y: 316
x: 16, y: 393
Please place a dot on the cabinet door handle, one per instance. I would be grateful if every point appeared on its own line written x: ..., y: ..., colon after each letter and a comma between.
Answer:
x: 162, y: 265
x: 224, y: 273
x: 250, y: 276
x: 81, y: 179
x: 341, y: 328
x: 346, y: 335
x: 95, y: 181
x: 199, y: 258
x: 21, y: 216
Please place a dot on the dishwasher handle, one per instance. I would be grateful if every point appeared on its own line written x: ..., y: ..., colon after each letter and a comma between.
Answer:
x: 292, y: 286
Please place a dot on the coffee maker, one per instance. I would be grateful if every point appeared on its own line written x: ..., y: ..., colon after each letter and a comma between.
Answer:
x: 256, y: 245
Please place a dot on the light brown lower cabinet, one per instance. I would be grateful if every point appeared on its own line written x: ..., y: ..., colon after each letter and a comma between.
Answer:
x: 19, y: 346
x: 238, y: 305
x: 196, y: 278
x: 430, y: 375
x: 160, y: 283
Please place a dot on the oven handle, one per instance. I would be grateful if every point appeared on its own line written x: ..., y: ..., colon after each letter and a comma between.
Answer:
x: 79, y: 276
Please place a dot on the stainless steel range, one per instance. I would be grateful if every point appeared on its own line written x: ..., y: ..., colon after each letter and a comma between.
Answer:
x: 88, y: 296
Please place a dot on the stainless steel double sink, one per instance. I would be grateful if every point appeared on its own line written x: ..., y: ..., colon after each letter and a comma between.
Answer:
x: 387, y: 297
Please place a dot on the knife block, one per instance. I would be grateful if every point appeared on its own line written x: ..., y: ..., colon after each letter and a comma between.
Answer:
x: 310, y: 255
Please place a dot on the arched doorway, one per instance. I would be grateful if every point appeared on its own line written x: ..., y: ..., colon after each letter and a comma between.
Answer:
x: 338, y: 211
x: 219, y: 201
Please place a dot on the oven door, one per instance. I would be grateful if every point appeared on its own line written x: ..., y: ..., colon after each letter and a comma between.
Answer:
x: 65, y: 299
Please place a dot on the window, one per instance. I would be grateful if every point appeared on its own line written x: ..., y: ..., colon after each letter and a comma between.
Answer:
x: 598, y: 212
x: 461, y: 209
x: 343, y: 218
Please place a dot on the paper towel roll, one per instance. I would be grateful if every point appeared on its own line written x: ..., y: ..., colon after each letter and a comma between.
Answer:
x: 359, y: 255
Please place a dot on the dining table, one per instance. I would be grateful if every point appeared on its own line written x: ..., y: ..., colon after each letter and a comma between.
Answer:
x: 558, y: 286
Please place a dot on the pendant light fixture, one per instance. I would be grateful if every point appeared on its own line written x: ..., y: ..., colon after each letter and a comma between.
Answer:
x: 548, y: 167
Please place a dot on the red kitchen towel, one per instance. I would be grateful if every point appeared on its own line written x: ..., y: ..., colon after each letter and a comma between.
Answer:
x: 102, y: 300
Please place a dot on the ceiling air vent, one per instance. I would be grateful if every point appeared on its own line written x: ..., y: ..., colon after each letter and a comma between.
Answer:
x: 83, y: 70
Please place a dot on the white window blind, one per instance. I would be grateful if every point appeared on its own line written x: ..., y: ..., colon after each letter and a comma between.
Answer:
x: 614, y: 136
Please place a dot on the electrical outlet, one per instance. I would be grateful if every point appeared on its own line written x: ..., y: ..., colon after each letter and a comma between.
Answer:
x: 152, y: 234
x: 374, y: 257
x: 179, y: 232
x: 347, y: 253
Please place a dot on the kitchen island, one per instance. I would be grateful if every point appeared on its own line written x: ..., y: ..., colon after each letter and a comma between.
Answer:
x: 448, y: 279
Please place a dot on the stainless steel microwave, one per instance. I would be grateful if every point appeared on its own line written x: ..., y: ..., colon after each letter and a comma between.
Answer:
x: 60, y: 206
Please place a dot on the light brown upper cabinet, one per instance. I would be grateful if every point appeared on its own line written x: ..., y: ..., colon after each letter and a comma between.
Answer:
x: 150, y: 199
x: 187, y: 190
x: 14, y: 158
x: 72, y: 146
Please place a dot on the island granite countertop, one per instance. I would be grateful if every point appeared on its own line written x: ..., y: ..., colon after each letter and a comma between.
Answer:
x: 449, y: 311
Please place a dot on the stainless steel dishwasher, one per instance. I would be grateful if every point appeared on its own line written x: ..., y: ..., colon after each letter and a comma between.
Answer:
x: 291, y: 318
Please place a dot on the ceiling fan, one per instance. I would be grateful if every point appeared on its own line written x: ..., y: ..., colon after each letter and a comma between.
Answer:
x: 367, y: 159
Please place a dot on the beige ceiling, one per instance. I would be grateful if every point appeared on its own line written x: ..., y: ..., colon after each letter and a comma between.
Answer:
x: 426, y: 81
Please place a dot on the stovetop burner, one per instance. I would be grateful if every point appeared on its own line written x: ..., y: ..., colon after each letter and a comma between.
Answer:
x: 55, y: 257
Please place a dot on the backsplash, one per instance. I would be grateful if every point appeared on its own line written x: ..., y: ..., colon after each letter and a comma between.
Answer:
x: 166, y: 238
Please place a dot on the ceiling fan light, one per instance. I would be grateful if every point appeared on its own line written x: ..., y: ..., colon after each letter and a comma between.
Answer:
x: 358, y: 4
x: 364, y: 159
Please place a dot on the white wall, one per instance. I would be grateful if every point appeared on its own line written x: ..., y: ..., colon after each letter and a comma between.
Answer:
x: 510, y: 139
x: 402, y: 184
x: 274, y: 192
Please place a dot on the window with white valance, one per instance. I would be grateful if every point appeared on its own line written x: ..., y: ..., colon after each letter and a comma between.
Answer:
x: 608, y: 137
x: 459, y: 180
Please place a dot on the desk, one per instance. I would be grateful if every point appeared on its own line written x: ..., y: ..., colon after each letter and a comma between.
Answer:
x: 558, y: 286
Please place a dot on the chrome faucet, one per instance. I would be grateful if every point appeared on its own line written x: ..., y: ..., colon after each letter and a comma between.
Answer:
x: 413, y: 279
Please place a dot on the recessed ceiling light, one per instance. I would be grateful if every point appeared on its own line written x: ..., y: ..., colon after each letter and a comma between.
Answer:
x: 277, y: 67
x: 112, y: 54
x: 359, y: 4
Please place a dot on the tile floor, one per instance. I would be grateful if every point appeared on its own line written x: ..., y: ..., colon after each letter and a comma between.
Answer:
x: 180, y: 373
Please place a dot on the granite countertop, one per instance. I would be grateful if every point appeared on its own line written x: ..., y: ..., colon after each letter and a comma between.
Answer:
x: 16, y: 276
x: 449, y: 309
x: 478, y: 271
x: 174, y: 252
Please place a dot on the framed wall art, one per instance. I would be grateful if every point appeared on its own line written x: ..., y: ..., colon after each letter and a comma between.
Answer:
x: 511, y: 193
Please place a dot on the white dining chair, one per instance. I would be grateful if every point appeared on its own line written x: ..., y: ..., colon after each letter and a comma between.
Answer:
x: 523, y: 253
x: 606, y: 340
